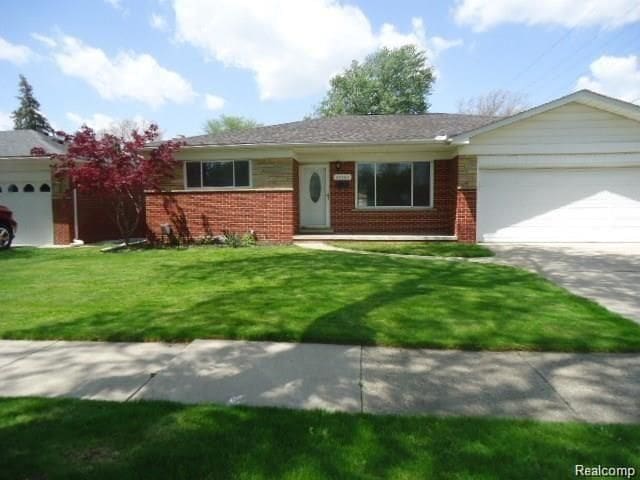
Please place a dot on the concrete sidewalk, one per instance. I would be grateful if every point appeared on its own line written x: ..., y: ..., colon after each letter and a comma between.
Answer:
x: 547, y: 386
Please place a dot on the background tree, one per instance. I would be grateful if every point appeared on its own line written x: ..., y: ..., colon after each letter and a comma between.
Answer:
x: 229, y: 123
x: 114, y: 167
x: 388, y: 81
x: 28, y: 115
x: 124, y: 128
x: 494, y: 103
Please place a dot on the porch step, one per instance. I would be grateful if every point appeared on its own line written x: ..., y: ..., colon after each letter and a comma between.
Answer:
x: 315, y: 237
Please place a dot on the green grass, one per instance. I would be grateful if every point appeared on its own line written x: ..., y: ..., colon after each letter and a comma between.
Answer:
x: 293, y: 294
x: 427, y: 249
x: 73, y: 439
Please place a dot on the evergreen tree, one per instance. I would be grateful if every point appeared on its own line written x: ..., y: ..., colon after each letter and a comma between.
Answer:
x: 28, y: 115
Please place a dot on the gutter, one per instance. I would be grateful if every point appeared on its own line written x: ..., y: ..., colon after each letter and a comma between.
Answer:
x: 440, y: 140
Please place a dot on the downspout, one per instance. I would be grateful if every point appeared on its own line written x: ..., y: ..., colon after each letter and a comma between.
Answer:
x: 76, y: 239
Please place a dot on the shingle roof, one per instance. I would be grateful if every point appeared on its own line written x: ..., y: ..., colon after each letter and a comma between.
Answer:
x: 351, y: 129
x: 18, y: 143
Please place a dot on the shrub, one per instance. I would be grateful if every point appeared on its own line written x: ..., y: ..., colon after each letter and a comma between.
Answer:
x: 235, y: 240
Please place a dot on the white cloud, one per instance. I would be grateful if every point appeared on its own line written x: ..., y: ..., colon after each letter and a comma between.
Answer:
x: 439, y: 45
x: 614, y: 76
x: 6, y: 122
x: 214, y: 102
x: 128, y: 75
x: 97, y: 121
x: 158, y: 22
x: 482, y: 15
x: 292, y: 47
x: 44, y: 39
x: 17, y: 54
x: 117, y: 4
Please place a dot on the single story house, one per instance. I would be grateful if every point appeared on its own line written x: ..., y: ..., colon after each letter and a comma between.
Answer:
x: 46, y: 212
x: 564, y: 171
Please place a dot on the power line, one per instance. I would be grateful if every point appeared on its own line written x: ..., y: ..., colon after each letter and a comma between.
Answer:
x: 571, y: 66
x: 552, y: 47
x: 539, y: 57
x: 557, y: 66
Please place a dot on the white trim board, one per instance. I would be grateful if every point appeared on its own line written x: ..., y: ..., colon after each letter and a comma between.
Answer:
x: 559, y: 161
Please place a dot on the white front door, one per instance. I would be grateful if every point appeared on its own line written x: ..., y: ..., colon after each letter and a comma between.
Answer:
x: 314, y: 196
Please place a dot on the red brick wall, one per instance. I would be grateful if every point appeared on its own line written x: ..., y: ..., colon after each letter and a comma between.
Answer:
x: 296, y: 196
x: 62, y: 221
x: 466, y: 216
x: 95, y: 221
x: 270, y: 213
x: 440, y: 220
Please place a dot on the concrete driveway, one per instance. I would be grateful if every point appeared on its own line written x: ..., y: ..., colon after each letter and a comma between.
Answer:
x: 606, y: 273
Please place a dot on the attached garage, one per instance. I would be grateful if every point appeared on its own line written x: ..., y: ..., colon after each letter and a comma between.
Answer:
x: 567, y: 171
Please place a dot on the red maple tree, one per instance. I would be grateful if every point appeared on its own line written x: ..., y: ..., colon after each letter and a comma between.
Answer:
x: 117, y: 169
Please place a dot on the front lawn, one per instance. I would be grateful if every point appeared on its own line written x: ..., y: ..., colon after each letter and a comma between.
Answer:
x: 292, y: 294
x: 427, y: 249
x: 68, y: 439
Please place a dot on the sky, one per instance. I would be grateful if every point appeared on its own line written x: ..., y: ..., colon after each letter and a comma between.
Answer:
x: 181, y: 62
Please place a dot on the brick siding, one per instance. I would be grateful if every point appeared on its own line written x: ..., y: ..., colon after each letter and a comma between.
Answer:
x: 466, y: 216
x: 466, y: 211
x: 95, y: 221
x: 270, y: 213
x: 273, y: 213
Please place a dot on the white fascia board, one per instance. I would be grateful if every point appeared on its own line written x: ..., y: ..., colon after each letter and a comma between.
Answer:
x: 499, y: 162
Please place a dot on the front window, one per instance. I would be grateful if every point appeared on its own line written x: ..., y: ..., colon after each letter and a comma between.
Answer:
x: 225, y: 173
x: 402, y: 184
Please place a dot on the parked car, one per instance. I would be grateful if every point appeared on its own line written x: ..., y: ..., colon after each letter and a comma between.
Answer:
x: 8, y: 227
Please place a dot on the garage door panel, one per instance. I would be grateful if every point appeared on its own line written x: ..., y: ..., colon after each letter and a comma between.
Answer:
x: 32, y: 211
x: 559, y: 205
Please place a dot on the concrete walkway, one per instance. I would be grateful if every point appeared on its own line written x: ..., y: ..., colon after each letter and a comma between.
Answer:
x: 547, y: 386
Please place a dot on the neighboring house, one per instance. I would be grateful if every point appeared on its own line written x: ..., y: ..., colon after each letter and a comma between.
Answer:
x: 41, y: 204
x: 566, y: 171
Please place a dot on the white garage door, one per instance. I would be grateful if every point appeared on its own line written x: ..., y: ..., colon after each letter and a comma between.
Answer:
x: 559, y: 205
x: 30, y: 202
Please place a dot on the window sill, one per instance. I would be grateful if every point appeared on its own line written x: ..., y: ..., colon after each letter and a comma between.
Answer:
x: 392, y: 209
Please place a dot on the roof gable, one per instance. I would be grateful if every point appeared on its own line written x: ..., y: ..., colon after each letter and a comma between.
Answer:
x: 584, y: 97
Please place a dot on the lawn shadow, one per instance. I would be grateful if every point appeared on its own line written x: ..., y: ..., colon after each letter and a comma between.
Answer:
x: 63, y: 439
x: 294, y: 295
